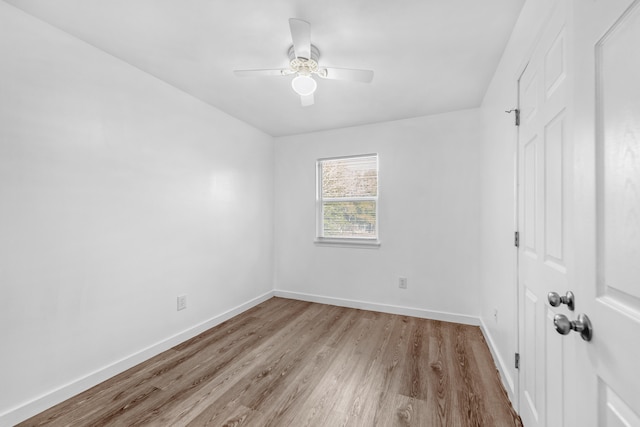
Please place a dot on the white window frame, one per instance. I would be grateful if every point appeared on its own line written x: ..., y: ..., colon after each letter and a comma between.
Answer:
x: 372, y: 242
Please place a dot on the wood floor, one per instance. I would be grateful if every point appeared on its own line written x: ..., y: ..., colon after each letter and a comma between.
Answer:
x: 294, y: 363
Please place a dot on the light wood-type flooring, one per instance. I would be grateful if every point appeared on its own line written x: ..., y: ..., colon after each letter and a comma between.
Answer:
x: 293, y: 363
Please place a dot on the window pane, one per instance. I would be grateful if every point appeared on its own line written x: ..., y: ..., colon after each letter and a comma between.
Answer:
x: 349, y: 219
x: 350, y: 177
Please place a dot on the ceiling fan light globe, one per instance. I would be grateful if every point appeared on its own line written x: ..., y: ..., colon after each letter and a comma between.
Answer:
x: 304, y: 85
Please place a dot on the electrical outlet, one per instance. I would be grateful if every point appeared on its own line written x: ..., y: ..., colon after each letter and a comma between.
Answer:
x: 182, y: 302
x: 402, y: 283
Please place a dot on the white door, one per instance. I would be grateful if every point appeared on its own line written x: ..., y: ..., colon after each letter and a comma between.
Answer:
x: 542, y: 221
x: 579, y: 216
x: 605, y: 273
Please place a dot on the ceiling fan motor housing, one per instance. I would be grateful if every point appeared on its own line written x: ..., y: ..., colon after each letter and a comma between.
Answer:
x: 304, y: 66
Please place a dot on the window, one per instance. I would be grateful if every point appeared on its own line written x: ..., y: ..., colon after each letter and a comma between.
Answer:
x: 347, y: 199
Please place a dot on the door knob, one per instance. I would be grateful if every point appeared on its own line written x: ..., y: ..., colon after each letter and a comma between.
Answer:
x: 582, y: 324
x: 555, y: 300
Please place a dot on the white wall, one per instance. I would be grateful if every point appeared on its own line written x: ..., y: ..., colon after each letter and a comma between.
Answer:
x: 429, y: 217
x: 117, y: 193
x: 499, y: 273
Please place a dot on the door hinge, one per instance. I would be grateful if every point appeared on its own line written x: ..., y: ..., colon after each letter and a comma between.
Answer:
x: 517, y: 360
x: 516, y: 239
x: 517, y: 112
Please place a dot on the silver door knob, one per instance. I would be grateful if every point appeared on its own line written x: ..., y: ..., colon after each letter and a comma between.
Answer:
x: 555, y: 300
x: 583, y: 325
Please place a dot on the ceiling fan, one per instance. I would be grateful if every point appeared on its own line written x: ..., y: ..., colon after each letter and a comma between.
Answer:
x: 303, y: 62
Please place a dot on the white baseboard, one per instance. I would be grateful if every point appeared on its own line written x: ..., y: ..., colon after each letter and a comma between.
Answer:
x: 384, y: 308
x: 507, y: 379
x: 53, y: 397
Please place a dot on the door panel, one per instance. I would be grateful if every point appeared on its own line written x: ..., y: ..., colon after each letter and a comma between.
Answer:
x: 555, y: 65
x: 555, y: 403
x: 554, y: 183
x: 615, y: 412
x: 531, y: 384
x: 530, y: 196
x: 542, y: 185
x: 618, y: 82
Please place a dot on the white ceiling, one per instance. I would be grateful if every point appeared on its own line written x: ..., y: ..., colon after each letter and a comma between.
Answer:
x: 429, y: 56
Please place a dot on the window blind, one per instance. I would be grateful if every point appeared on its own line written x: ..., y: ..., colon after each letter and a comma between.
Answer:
x: 348, y: 197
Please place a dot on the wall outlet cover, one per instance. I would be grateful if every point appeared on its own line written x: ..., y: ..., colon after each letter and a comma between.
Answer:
x: 182, y: 302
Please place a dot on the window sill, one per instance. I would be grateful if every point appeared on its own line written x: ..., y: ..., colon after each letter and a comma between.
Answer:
x: 348, y: 243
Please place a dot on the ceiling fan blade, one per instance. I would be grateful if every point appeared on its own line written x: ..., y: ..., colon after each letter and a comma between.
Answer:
x: 301, y: 36
x: 257, y: 73
x: 364, y: 76
x: 306, y: 100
